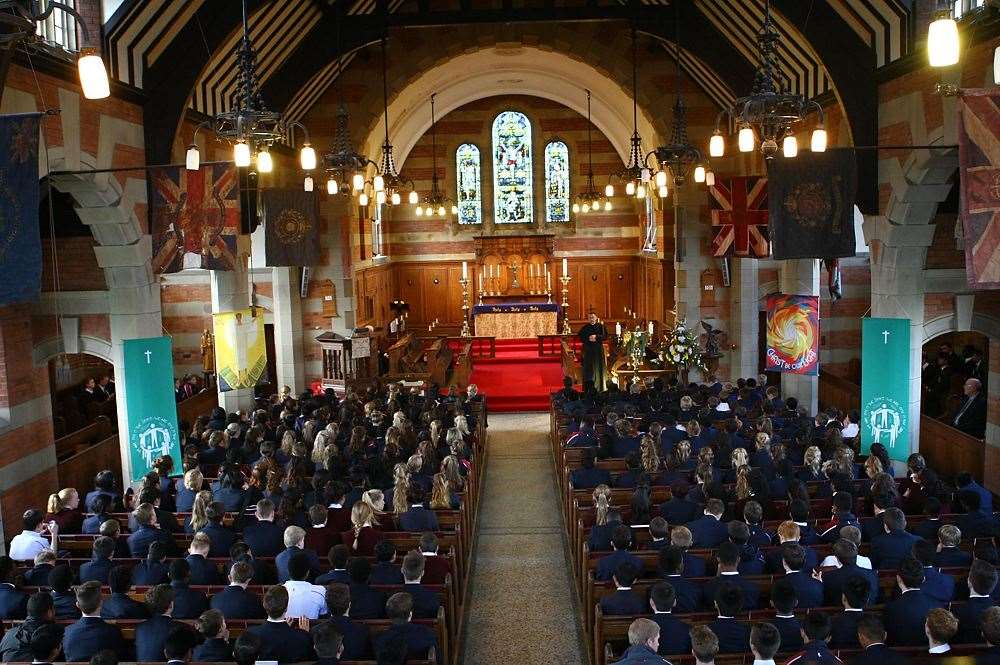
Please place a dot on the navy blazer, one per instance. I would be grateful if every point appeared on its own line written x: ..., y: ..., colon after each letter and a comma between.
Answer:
x: 808, y: 590
x: 385, y: 573
x: 150, y: 573
x: 281, y: 563
x: 607, y: 564
x: 688, y: 594
x: 623, y: 601
x: 600, y: 536
x: 834, y: 580
x: 878, y: 654
x: 38, y: 575
x: 88, y: 635
x: 265, y: 538
x: 905, y: 616
x: 426, y: 602
x: 337, y: 577
x: 92, y: 524
x: 13, y: 602
x: 418, y: 639
x: 679, y: 511
x: 586, y: 479
x: 151, y: 635
x: 166, y: 519
x: 844, y: 630
x: 64, y: 603
x: 213, y: 650
x: 707, y: 532
x: 952, y: 557
x: 188, y: 603
x: 751, y: 592
x: 815, y: 652
x: 968, y: 615
x: 927, y: 529
x: 874, y: 526
x: 140, y: 540
x: 694, y: 565
x: 231, y: 498
x: 366, y: 603
x: 788, y: 628
x: 235, y: 602
x: 282, y: 643
x: 203, y: 571
x: 356, y: 643
x: 418, y: 519
x: 122, y: 606
x: 938, y: 586
x: 976, y: 525
x: 889, y: 549
x: 675, y: 637
x: 221, y: 537
x: 734, y: 636
x: 97, y: 570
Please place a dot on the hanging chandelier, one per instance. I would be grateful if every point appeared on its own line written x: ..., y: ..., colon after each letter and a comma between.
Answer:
x: 436, y: 202
x: 636, y: 174
x: 387, y: 185
x: 676, y: 160
x: 768, y: 112
x: 249, y: 125
x: 590, y: 200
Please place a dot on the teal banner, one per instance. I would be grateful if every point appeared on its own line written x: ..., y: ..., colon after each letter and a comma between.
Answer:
x: 885, y: 370
x: 150, y: 403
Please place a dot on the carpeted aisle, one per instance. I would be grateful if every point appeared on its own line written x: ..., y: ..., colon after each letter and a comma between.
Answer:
x: 517, y: 379
x: 521, y: 598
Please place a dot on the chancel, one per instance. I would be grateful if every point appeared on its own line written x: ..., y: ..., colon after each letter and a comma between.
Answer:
x: 482, y: 332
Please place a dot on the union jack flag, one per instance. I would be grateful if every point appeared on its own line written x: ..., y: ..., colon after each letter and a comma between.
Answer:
x: 979, y: 175
x: 195, y: 217
x: 739, y: 212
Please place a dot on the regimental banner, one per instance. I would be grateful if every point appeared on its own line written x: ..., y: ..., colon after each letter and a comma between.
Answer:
x: 20, y: 242
x: 979, y: 177
x: 793, y: 334
x: 240, y: 351
x: 885, y: 371
x: 739, y: 213
x: 291, y: 227
x: 150, y: 403
x: 811, y: 204
x: 194, y: 217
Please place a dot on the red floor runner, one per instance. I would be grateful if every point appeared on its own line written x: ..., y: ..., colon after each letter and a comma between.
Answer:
x: 517, y: 379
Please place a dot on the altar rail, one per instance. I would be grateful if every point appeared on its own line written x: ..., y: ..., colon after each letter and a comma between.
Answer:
x: 482, y: 347
x: 550, y: 346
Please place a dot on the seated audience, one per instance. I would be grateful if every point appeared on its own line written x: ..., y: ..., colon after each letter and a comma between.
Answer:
x: 235, y: 602
x: 90, y: 633
x: 419, y: 639
x: 215, y: 647
x: 278, y: 640
x: 120, y: 605
x: 151, y: 635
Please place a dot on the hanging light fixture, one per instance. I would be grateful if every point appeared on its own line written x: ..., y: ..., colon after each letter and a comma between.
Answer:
x: 635, y: 174
x: 386, y: 178
x: 590, y: 199
x: 436, y: 202
x: 676, y: 160
x: 249, y: 125
x: 768, y: 113
x: 942, y: 39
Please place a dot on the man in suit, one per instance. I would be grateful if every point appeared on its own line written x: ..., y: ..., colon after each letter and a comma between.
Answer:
x: 91, y: 633
x: 681, y: 538
x: 426, y: 602
x: 734, y: 635
x: 751, y: 558
x: 765, y: 640
x: 971, y: 416
x: 366, y: 602
x: 60, y: 583
x: 949, y: 552
x: 620, y: 542
x: 235, y: 602
x: 264, y: 536
x: 436, y: 567
x: 928, y: 527
x: 338, y: 603
x: 940, y: 627
x: 674, y: 633
x: 328, y: 644
x: 982, y: 580
x: 203, y: 571
x: 151, y: 634
x: 149, y: 532
x: 13, y: 601
x: 788, y: 533
x: 164, y: 518
x: 815, y: 635
x: 875, y: 526
x: 871, y: 637
x: 844, y: 626
x: 153, y: 569
x: 709, y: 530
x: 835, y: 580
x: 418, y: 517
x: 677, y: 509
x: 119, y: 605
x: 418, y: 639
x: 221, y: 538
x: 905, y: 615
x: 588, y: 476
x: 215, y: 649
x: 386, y: 570
x: 100, y: 565
x: 188, y: 603
x: 295, y: 539
x: 936, y: 584
x: 974, y: 524
x: 280, y: 641
x: 728, y: 573
x: 687, y: 594
x: 644, y: 642
x: 842, y: 515
x: 783, y: 601
x: 889, y: 548
x: 623, y: 600
x: 808, y: 590
x: 338, y: 557
x: 965, y: 483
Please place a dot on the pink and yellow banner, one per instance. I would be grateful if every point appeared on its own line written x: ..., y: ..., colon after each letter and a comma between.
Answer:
x: 793, y: 334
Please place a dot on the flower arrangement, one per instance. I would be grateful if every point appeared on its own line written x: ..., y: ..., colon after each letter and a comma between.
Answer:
x: 682, y: 349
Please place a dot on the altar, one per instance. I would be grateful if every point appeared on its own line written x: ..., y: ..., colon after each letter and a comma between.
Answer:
x: 516, y: 320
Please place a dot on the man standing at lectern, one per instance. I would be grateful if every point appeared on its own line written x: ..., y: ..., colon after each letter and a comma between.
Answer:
x: 593, y: 334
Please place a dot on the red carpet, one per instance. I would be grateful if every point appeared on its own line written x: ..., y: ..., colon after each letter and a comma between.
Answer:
x: 517, y: 379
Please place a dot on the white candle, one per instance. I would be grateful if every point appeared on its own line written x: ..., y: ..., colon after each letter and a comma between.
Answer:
x: 465, y: 270
x: 651, y: 328
x: 618, y: 329
x: 548, y: 281
x: 480, y: 281
x: 565, y: 267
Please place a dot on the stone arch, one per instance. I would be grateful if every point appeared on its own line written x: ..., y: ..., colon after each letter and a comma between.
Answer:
x: 948, y: 323
x: 48, y: 349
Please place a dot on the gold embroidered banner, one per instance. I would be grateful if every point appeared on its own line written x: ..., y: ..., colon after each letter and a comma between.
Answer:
x: 516, y: 325
x: 240, y: 351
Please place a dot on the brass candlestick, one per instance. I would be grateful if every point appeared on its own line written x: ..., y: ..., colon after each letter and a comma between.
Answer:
x: 565, y: 304
x: 466, y: 332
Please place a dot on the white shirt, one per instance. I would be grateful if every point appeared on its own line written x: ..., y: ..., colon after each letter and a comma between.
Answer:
x: 941, y: 648
x: 305, y: 599
x: 862, y: 561
x: 850, y: 431
x: 26, y: 545
x: 762, y: 662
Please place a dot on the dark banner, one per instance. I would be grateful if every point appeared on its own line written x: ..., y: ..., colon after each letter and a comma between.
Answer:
x: 812, y: 204
x: 20, y: 244
x: 291, y: 227
x: 514, y: 307
x: 979, y: 176
x: 194, y: 217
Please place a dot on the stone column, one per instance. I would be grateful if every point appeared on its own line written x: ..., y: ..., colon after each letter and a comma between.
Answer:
x: 288, y: 328
x: 745, y: 309
x: 229, y: 293
x: 800, y: 277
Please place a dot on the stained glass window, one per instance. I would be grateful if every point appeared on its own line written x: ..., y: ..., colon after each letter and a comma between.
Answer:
x: 556, y: 182
x: 470, y: 184
x: 512, y: 195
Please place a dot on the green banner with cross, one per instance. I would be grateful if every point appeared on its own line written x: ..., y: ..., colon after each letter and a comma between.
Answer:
x: 150, y: 403
x: 885, y: 372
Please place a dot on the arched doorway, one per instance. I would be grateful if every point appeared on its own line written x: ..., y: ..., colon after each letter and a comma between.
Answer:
x: 82, y: 390
x: 948, y: 360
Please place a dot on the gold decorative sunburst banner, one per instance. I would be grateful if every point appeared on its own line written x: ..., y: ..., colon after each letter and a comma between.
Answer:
x: 240, y: 350
x: 291, y: 227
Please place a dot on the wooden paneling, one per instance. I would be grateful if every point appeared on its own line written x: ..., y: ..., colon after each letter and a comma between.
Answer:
x: 654, y: 288
x: 433, y: 291
x: 372, y: 294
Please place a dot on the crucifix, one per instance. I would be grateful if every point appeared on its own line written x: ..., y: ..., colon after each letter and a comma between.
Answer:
x: 148, y: 355
x: 885, y: 336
